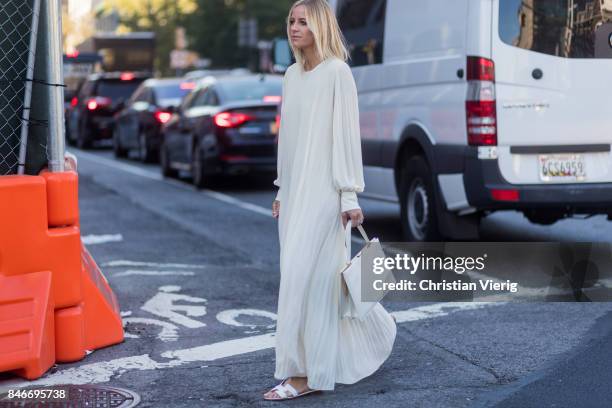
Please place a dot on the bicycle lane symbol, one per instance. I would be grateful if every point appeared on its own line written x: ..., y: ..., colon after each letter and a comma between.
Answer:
x: 180, y: 310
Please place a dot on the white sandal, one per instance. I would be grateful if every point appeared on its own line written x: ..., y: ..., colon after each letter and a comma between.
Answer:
x: 286, y: 392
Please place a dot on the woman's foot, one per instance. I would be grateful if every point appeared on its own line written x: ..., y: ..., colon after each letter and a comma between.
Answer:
x: 300, y: 384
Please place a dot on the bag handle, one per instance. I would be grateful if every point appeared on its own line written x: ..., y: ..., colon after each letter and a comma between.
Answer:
x: 347, y: 238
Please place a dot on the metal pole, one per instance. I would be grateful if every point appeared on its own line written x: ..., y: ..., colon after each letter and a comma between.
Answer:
x: 55, y: 70
x: 27, y: 103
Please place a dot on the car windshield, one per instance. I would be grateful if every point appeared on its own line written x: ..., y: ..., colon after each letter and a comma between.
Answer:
x: 116, y: 89
x: 249, y: 90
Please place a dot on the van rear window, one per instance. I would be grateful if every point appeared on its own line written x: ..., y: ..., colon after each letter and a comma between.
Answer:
x: 564, y: 28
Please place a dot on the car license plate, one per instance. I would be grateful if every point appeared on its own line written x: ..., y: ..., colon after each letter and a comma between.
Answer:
x: 562, y: 167
x: 273, y: 128
x: 250, y: 130
x: 104, y: 123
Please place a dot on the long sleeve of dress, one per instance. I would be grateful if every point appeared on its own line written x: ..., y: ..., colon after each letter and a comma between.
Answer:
x: 277, y: 181
x: 347, y: 165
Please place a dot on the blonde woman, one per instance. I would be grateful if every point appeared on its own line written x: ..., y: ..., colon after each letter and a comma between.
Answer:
x: 319, y: 175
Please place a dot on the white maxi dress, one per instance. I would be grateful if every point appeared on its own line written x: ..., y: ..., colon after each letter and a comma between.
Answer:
x: 320, y: 171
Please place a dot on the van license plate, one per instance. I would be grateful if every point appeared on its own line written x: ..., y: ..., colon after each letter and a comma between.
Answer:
x: 562, y: 167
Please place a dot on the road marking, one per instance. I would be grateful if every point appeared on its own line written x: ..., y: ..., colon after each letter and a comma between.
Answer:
x: 104, y: 371
x: 137, y: 171
x: 222, y: 349
x: 230, y: 317
x: 128, y: 168
x: 132, y: 272
x: 123, y: 262
x: 162, y: 304
x: 94, y: 373
x: 239, y: 203
x: 101, y: 239
x: 438, y: 310
x: 169, y: 331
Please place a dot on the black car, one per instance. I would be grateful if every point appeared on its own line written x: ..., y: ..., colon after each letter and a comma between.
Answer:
x: 138, y: 124
x: 225, y: 126
x: 91, y: 112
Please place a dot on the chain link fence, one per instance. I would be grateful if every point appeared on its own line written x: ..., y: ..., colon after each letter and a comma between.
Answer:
x: 18, y: 26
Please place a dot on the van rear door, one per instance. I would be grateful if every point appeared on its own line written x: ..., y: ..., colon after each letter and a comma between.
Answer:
x: 553, y: 65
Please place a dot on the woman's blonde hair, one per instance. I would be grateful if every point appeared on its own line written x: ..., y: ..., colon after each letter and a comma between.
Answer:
x: 321, y: 20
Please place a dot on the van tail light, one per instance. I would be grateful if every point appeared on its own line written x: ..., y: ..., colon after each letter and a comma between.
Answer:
x: 480, y: 105
x: 162, y: 116
x: 231, y: 119
x: 98, y: 102
x: 480, y: 69
x: 277, y: 122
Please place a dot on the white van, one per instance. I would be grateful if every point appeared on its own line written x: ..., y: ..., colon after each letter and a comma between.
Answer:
x: 473, y: 106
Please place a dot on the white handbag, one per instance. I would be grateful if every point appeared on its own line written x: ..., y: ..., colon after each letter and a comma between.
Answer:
x: 351, y: 305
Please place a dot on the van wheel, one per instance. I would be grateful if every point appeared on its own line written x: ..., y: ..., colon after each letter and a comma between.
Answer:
x: 417, y: 199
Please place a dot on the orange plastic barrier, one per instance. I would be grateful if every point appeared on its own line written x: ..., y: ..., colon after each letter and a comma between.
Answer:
x: 55, y: 304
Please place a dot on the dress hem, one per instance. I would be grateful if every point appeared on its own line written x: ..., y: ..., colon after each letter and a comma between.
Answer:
x: 344, y: 381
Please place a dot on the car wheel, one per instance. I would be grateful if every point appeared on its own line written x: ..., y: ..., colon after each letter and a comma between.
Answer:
x: 83, y: 139
x: 144, y: 150
x: 417, y: 199
x: 198, y: 173
x: 117, y: 148
x: 69, y: 138
x: 164, y: 158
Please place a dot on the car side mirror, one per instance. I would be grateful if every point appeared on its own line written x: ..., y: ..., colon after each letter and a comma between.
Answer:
x: 281, y: 55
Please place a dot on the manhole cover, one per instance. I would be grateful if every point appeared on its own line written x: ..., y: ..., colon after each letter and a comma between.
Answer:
x: 70, y: 396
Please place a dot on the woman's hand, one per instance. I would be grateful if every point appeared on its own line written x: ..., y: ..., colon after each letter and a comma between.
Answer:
x: 356, y: 217
x: 275, y: 208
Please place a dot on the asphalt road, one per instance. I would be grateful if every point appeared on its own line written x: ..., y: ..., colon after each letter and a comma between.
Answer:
x: 214, y: 253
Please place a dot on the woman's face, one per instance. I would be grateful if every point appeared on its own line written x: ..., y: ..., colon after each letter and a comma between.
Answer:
x: 300, y: 35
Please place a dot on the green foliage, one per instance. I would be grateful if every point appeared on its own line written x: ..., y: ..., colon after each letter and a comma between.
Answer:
x: 211, y: 25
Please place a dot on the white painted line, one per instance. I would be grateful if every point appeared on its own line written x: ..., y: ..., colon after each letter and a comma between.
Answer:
x: 104, y: 371
x: 128, y: 168
x: 239, y: 203
x: 122, y: 262
x: 132, y: 272
x: 221, y: 349
x: 137, y: 171
x: 101, y: 239
x: 438, y: 310
x: 94, y: 373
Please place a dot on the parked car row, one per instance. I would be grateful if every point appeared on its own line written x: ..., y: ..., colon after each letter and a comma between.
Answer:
x: 212, y: 126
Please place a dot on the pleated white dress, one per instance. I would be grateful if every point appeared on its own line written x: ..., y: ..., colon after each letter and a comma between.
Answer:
x: 320, y: 171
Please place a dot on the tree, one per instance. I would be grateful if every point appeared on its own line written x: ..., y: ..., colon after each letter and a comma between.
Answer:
x: 159, y: 16
x: 213, y: 27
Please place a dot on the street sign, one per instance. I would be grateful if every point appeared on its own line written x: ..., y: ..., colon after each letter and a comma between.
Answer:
x: 247, y: 32
x: 182, y: 59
